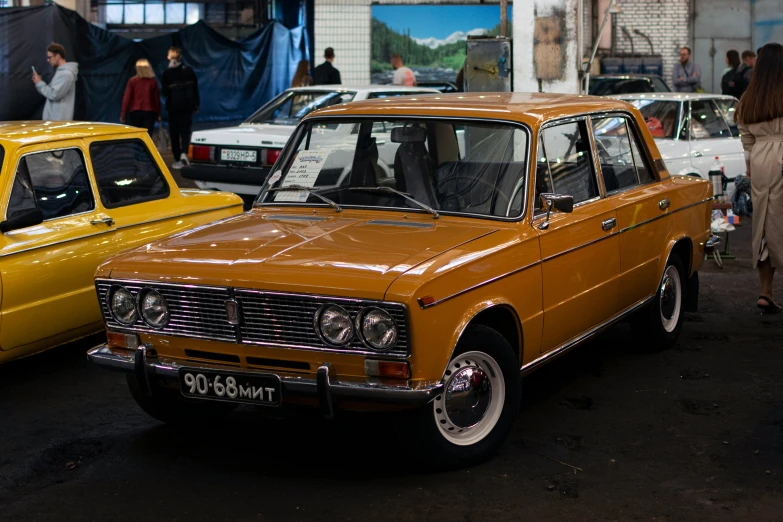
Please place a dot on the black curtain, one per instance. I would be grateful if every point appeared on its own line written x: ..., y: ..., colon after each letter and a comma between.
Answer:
x: 235, y: 77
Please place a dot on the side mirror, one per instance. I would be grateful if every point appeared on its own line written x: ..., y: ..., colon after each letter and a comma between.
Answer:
x: 27, y: 218
x: 560, y: 202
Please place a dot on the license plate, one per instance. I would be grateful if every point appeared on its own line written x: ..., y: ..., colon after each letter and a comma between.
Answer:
x: 261, y: 389
x: 247, y: 156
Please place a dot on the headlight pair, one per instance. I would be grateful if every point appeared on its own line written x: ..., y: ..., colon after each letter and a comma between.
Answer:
x: 374, y: 327
x: 126, y: 308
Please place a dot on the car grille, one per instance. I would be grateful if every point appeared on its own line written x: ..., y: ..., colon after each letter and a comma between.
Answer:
x: 268, y: 318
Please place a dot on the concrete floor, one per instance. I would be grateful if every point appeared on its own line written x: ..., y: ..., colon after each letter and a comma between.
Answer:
x: 693, y: 433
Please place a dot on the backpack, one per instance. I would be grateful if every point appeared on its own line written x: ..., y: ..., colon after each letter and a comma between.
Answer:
x: 741, y: 201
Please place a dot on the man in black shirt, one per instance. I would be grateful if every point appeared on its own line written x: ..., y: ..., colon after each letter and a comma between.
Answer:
x: 180, y: 88
x: 326, y: 74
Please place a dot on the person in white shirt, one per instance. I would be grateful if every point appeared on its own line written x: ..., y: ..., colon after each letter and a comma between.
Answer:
x: 402, y: 75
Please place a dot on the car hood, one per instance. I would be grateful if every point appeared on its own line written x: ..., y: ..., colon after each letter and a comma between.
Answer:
x: 246, y: 135
x: 346, y: 254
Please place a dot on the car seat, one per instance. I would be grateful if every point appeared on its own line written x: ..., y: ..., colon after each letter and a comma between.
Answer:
x: 413, y: 165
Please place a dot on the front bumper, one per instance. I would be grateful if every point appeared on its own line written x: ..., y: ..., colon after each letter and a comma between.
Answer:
x: 226, y: 174
x: 145, y: 364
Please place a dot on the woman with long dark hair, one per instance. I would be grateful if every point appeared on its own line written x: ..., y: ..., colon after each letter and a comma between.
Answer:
x: 760, y: 119
x: 302, y: 76
x: 732, y: 83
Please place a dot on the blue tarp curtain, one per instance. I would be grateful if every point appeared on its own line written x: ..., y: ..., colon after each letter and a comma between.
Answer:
x: 235, y: 77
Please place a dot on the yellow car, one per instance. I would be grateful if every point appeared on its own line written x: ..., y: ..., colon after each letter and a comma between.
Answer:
x: 423, y: 261
x: 73, y: 195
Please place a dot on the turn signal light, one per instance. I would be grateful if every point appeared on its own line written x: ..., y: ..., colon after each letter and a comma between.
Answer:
x: 272, y: 155
x: 393, y: 369
x: 201, y: 153
x: 120, y: 340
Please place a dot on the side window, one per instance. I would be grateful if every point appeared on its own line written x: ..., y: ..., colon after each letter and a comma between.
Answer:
x: 614, y: 153
x: 643, y: 171
x: 543, y: 178
x: 126, y: 173
x: 728, y: 106
x: 707, y: 121
x: 54, y: 181
x: 660, y: 117
x: 567, y: 155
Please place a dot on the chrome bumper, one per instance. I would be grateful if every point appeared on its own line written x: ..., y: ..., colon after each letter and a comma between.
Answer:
x: 144, y: 363
x: 711, y: 244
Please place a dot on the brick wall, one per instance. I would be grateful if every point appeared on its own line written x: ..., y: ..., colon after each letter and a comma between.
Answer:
x: 345, y: 26
x: 665, y: 22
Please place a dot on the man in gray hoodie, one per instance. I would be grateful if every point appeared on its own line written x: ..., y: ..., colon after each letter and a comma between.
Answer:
x: 60, y: 93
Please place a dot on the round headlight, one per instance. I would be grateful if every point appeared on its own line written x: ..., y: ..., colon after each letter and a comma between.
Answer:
x: 377, y: 328
x: 123, y: 306
x: 334, y: 325
x: 154, y: 308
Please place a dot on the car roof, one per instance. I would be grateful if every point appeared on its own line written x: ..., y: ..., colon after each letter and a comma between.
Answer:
x: 530, y: 108
x: 31, y: 132
x: 363, y: 88
x: 673, y: 96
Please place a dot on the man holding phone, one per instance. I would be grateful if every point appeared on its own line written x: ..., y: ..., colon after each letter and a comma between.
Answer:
x: 60, y: 93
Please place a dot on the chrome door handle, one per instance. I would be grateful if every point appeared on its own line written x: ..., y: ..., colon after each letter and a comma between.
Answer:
x: 664, y: 204
x: 107, y: 220
x: 698, y: 154
x: 608, y: 224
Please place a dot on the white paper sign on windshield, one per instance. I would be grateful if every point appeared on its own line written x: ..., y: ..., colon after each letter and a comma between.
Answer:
x: 304, y: 171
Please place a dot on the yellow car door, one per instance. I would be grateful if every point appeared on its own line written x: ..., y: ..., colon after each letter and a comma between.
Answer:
x: 640, y: 202
x: 48, y: 264
x: 142, y: 199
x: 579, y: 250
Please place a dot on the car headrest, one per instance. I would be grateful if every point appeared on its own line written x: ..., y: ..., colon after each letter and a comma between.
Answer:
x: 408, y: 135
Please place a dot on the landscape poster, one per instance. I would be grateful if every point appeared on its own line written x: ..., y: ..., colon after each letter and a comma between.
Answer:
x: 430, y: 38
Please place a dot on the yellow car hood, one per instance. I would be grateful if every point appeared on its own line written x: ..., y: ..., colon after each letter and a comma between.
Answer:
x: 353, y: 253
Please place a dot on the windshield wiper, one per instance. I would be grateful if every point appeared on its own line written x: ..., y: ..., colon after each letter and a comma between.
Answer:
x: 309, y: 190
x: 403, y: 194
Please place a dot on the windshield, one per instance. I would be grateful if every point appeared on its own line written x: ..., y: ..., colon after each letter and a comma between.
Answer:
x: 462, y: 167
x: 660, y: 116
x: 291, y: 106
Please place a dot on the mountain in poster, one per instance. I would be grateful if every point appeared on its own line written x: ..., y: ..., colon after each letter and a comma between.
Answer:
x: 431, y: 58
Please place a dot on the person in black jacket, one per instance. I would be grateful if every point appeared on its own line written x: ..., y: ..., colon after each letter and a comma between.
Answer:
x: 746, y: 69
x: 732, y: 82
x: 326, y: 73
x: 180, y: 88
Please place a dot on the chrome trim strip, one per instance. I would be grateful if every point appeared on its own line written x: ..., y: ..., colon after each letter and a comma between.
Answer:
x: 177, y: 216
x: 393, y: 223
x: 102, y: 355
x: 564, y: 252
x: 535, y: 363
x: 637, y: 225
x: 283, y: 217
x: 483, y: 283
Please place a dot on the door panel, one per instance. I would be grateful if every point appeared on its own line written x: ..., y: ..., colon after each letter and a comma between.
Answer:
x: 581, y: 271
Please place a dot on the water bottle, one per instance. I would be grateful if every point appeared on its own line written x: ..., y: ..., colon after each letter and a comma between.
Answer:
x: 716, y: 177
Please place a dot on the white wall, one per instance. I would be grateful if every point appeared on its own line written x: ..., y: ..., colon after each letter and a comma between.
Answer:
x: 345, y: 26
x: 525, y: 13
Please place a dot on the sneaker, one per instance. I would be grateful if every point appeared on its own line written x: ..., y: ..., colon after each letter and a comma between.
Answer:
x: 183, y: 158
x: 176, y: 165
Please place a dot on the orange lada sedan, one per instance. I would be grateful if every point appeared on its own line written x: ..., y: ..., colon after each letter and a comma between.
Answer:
x: 423, y: 262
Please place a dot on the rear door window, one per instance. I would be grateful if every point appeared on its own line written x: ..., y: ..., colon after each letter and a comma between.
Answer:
x: 660, y: 116
x: 126, y: 173
x: 54, y: 181
x: 707, y: 121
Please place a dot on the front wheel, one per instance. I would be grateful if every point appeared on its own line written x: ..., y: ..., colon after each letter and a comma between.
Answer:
x: 471, y: 419
x: 658, y: 325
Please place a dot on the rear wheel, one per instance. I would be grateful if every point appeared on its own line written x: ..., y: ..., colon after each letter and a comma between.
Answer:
x: 658, y: 325
x: 169, y: 406
x: 471, y: 419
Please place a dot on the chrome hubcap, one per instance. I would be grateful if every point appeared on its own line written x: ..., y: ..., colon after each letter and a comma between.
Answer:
x: 468, y: 396
x: 670, y: 299
x: 473, y: 396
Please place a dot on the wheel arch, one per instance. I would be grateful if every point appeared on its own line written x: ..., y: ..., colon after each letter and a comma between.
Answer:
x: 502, y: 318
x: 683, y: 248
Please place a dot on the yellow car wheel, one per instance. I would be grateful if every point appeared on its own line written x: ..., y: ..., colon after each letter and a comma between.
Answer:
x: 658, y: 325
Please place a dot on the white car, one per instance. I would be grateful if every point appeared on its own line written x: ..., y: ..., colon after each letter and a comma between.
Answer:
x: 692, y: 129
x: 238, y: 159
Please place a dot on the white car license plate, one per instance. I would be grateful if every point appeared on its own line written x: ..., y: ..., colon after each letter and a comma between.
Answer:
x: 260, y: 389
x: 247, y: 156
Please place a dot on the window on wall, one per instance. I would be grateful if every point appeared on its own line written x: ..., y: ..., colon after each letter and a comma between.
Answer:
x: 128, y: 12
